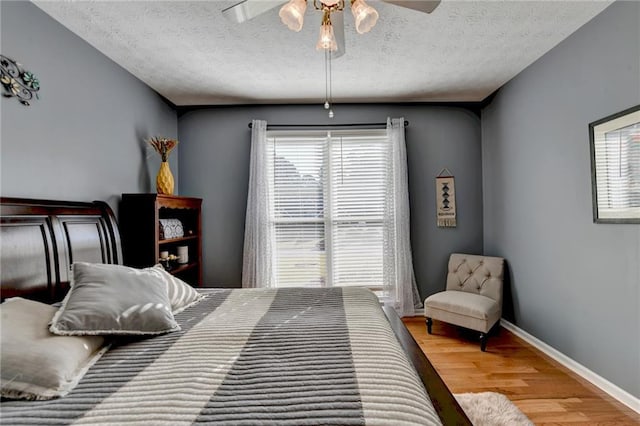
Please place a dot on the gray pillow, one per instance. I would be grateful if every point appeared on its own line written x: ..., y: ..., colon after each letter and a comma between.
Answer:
x: 181, y: 294
x: 114, y: 299
x: 36, y: 364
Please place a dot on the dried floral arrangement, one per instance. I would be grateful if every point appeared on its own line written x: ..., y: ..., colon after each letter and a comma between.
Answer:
x: 163, y: 146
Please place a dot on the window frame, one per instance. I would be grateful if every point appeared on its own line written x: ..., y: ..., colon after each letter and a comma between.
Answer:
x: 329, y: 219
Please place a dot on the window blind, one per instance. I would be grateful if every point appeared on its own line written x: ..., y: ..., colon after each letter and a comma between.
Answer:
x: 330, y: 198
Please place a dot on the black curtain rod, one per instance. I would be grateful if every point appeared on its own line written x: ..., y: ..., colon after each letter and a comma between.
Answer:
x: 406, y: 123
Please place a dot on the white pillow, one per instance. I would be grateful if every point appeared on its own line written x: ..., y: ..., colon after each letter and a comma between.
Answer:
x: 34, y: 363
x: 181, y: 294
x: 114, y: 299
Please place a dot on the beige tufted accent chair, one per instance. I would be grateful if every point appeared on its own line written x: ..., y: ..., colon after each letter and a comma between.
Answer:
x: 473, y: 297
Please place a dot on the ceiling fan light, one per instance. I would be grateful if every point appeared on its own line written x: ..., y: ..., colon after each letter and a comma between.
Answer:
x: 292, y: 14
x: 365, y: 16
x: 327, y: 39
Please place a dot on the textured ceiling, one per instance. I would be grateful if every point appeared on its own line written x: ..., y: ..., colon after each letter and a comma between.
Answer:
x: 188, y: 52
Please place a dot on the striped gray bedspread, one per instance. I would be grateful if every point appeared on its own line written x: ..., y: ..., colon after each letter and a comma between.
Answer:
x: 293, y: 356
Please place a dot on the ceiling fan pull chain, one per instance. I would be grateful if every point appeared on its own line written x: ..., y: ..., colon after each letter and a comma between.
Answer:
x: 326, y: 83
x: 330, y: 87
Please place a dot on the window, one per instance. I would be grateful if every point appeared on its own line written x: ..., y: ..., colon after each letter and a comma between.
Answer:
x: 328, y: 207
x: 615, y: 147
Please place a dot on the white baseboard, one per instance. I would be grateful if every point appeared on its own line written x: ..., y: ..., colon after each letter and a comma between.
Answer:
x: 620, y: 394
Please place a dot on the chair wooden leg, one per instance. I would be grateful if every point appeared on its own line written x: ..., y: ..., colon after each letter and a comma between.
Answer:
x: 483, y: 341
x: 429, y: 324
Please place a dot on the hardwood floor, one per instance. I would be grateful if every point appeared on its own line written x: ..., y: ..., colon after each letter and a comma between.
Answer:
x: 544, y: 390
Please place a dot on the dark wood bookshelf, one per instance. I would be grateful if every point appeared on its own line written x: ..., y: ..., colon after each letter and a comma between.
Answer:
x: 140, y: 216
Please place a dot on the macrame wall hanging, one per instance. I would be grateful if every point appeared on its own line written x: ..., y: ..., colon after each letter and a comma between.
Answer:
x: 445, y: 199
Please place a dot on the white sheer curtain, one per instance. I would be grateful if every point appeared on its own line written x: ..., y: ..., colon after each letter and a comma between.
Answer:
x: 258, y: 240
x: 400, y: 287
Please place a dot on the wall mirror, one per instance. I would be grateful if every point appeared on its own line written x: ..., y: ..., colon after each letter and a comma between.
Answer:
x: 615, y: 167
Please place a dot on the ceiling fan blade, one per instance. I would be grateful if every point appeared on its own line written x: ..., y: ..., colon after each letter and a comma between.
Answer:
x: 337, y: 21
x: 426, y: 6
x: 249, y: 9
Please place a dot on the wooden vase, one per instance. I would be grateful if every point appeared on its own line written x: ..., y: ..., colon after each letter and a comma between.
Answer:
x: 164, y: 180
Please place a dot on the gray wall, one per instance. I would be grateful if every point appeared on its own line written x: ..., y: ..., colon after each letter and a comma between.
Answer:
x: 214, y: 164
x: 575, y: 284
x: 83, y: 139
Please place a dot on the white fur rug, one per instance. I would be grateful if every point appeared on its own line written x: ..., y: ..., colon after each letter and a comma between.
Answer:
x: 491, y: 409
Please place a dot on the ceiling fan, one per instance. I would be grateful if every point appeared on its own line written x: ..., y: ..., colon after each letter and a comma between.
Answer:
x: 332, y: 28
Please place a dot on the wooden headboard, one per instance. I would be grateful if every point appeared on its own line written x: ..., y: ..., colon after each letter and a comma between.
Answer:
x: 40, y: 240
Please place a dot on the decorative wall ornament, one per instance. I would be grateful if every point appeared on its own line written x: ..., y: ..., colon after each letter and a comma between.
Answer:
x: 446, y: 199
x: 17, y: 82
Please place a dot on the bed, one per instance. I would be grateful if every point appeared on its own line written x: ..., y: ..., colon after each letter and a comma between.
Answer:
x: 242, y: 356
